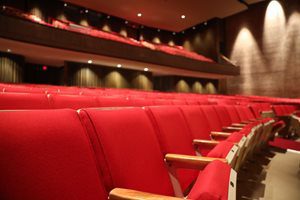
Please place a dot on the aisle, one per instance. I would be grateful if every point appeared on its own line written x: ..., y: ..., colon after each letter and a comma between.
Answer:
x: 272, y: 175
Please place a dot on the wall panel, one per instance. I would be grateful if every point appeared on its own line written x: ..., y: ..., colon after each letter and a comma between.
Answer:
x: 11, y: 68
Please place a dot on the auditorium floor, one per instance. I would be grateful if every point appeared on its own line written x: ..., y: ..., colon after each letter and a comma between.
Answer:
x: 271, y: 175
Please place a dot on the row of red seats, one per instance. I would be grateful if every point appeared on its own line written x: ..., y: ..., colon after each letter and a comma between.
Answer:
x: 99, y: 150
x: 95, y: 32
x: 55, y: 101
x: 284, y: 110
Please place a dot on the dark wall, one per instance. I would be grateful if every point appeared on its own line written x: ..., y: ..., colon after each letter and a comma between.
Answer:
x: 185, y: 84
x: 87, y: 75
x: 265, y: 42
x: 11, y: 68
x: 205, y: 39
x: 41, y: 74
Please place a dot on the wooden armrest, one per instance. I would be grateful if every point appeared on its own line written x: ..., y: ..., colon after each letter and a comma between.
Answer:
x: 211, y: 143
x: 215, y: 134
x: 232, y: 129
x: 238, y: 125
x: 191, y: 162
x: 126, y: 194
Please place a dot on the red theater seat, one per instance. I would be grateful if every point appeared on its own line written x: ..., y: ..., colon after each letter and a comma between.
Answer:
x: 18, y: 101
x: 175, y: 137
x: 129, y: 154
x: 47, y: 155
x: 72, y: 101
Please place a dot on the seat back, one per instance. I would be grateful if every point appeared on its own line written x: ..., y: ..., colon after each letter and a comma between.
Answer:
x: 18, y: 101
x: 127, y: 149
x: 72, y: 101
x: 44, y: 157
x: 212, y: 117
x: 197, y: 122
x: 223, y: 115
x: 174, y: 136
x: 233, y: 114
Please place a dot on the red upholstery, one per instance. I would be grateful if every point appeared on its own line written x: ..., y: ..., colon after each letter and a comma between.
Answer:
x: 46, y: 155
x: 72, y: 101
x: 130, y: 149
x: 241, y: 113
x: 197, y: 122
x: 221, y: 150
x: 212, y: 117
x: 174, y: 137
x: 17, y: 101
x: 223, y: 115
x: 113, y: 101
x: 212, y: 183
x: 234, y: 116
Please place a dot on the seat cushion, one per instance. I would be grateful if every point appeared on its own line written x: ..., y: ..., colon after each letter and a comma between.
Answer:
x: 221, y: 150
x: 212, y: 183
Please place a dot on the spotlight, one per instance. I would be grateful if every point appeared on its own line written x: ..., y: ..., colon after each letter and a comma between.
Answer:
x: 126, y: 22
x: 8, y: 50
x: 65, y: 4
x: 205, y: 23
x: 174, y: 33
x: 107, y: 17
x: 182, y: 32
x: 158, y: 30
x: 90, y: 61
x: 182, y: 16
x: 86, y: 11
x: 119, y: 65
x: 194, y: 28
x: 146, y: 69
x: 139, y: 14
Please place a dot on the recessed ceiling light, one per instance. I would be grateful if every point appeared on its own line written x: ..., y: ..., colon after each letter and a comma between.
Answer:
x: 126, y: 22
x: 139, y: 14
x: 146, y: 69
x: 90, y: 61
x: 65, y: 4
x: 86, y: 11
x: 194, y: 28
x: 119, y: 65
x: 182, y: 16
x: 8, y: 50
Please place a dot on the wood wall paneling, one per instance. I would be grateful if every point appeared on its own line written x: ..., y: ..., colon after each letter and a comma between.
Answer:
x: 265, y: 42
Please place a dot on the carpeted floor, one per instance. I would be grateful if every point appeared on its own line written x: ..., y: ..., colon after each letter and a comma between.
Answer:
x: 271, y: 175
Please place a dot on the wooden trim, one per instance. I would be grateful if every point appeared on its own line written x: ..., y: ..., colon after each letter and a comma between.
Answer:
x: 127, y: 194
x: 191, y: 162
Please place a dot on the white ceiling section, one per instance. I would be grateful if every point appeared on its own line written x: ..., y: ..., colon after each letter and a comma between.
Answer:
x: 166, y: 14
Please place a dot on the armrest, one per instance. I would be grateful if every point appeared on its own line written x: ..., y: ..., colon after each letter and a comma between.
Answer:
x: 191, y: 162
x: 210, y: 143
x: 232, y: 129
x: 238, y: 125
x: 215, y: 134
x: 126, y: 194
